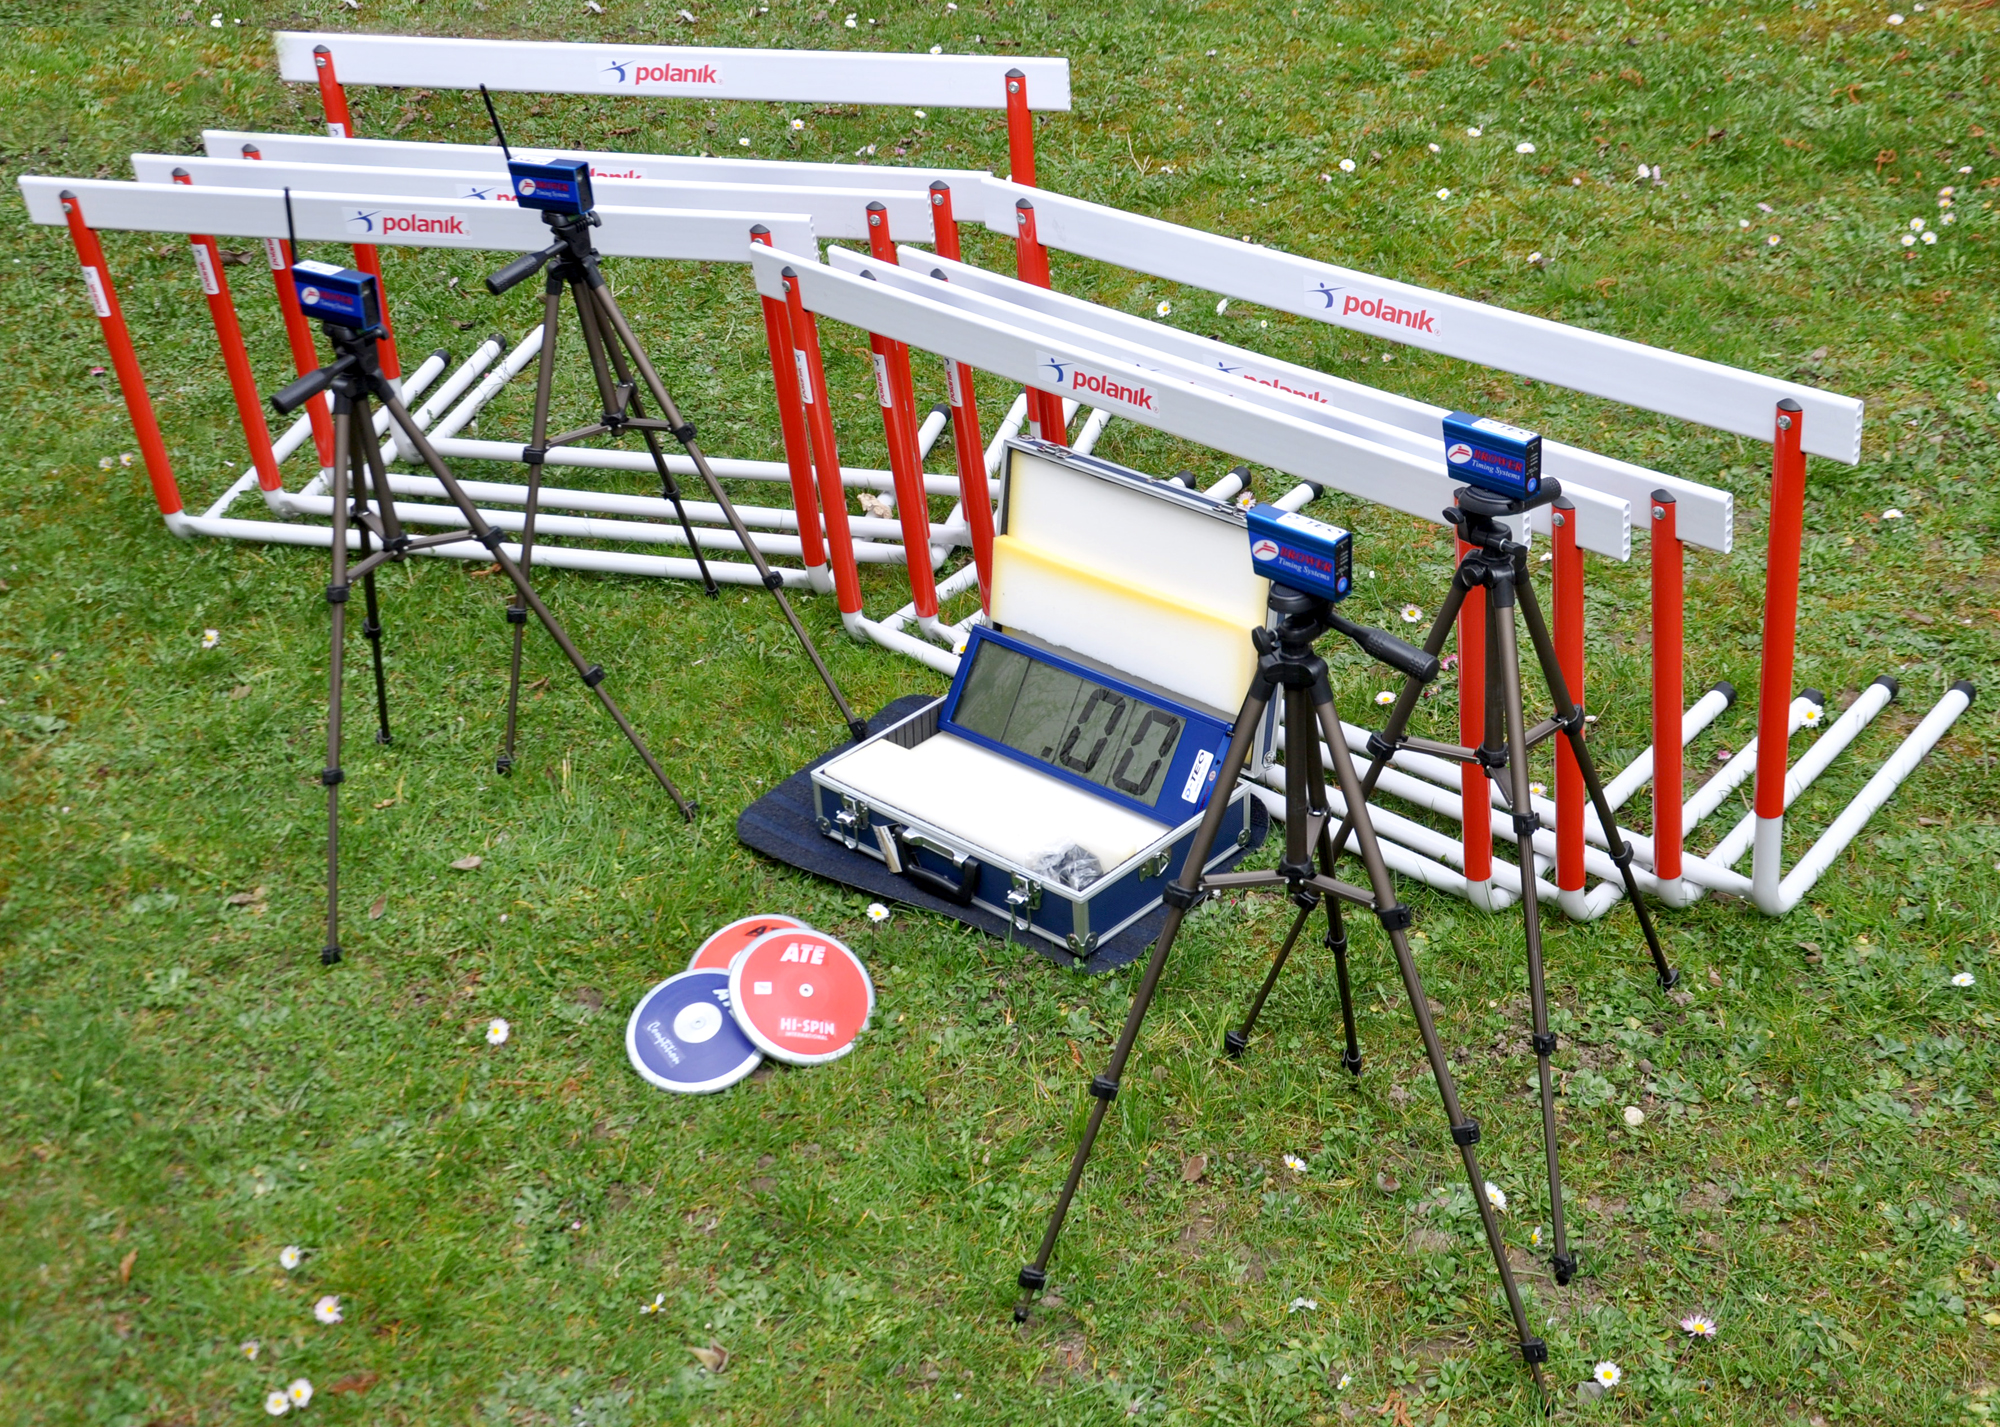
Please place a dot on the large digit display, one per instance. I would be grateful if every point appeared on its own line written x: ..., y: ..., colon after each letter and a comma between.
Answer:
x: 1093, y: 732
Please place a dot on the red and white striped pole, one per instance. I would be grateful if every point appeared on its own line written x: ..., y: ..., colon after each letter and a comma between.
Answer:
x: 340, y: 124
x: 1568, y: 635
x: 1020, y: 131
x: 124, y: 360
x: 826, y: 455
x: 895, y: 391
x: 1031, y: 264
x: 305, y: 356
x: 1781, y: 628
x: 1475, y: 792
x: 235, y: 360
x: 1669, y: 589
x: 975, y: 497
x: 792, y: 425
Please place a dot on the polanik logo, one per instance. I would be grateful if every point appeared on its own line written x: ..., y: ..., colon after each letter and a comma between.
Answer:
x: 1458, y: 453
x: 362, y: 222
x: 639, y: 74
x: 1060, y: 368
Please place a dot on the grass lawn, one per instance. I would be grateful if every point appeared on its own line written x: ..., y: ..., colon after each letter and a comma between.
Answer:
x: 187, y: 1091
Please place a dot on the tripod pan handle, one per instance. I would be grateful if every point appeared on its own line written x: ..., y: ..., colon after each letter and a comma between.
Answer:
x: 1386, y: 648
x: 520, y: 270
x: 289, y: 399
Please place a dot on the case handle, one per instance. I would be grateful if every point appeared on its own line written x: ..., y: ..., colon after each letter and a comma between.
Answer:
x: 959, y: 891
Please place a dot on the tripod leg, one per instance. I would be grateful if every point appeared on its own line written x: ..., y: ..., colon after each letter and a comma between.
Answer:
x: 1336, y: 942
x: 774, y: 582
x: 1464, y: 1132
x: 1500, y: 620
x: 1572, y: 720
x: 1236, y: 1041
x: 336, y: 597
x: 538, y: 434
x: 591, y: 674
x: 594, y: 339
x: 1181, y: 896
x: 371, y: 480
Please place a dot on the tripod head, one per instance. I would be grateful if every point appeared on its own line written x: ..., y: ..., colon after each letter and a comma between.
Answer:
x: 355, y: 369
x: 1478, y: 514
x: 572, y: 245
x: 1301, y: 618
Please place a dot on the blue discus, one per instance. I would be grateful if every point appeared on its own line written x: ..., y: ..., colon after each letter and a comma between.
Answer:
x: 682, y: 1036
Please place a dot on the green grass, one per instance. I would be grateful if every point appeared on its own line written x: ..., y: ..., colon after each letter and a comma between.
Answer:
x: 186, y: 1090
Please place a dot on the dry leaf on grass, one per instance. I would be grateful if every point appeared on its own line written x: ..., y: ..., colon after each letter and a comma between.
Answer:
x: 467, y: 864
x: 355, y: 1382
x: 714, y: 1357
x: 1194, y: 1169
x: 125, y: 1266
x: 381, y: 905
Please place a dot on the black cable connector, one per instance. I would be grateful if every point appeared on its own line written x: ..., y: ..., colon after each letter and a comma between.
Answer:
x: 1534, y: 1351
x: 1234, y: 1043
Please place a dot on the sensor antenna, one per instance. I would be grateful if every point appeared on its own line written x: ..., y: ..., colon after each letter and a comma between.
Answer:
x: 498, y: 132
x: 291, y: 228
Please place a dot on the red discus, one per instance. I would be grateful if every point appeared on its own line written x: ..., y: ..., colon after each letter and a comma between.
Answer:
x: 720, y: 949
x: 800, y: 996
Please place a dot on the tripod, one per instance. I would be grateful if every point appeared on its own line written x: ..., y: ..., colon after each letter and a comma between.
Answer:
x: 361, y: 494
x: 614, y: 352
x: 1498, y: 564
x: 1286, y: 661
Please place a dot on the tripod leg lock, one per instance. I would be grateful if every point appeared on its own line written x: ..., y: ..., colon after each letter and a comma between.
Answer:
x: 534, y: 455
x: 773, y: 580
x: 337, y: 594
x: 1544, y: 1042
x: 1336, y: 941
x: 332, y: 777
x: 1527, y: 824
x: 1574, y: 723
x: 1032, y: 1279
x: 1104, y: 1088
x: 1623, y: 856
x: 1534, y: 1350
x: 371, y: 629
x: 1491, y: 759
x: 1234, y: 1043
x: 683, y: 433
x: 517, y: 614
x: 593, y: 676
x: 1185, y: 899
x: 1381, y: 749
x: 1564, y: 1266
x: 1395, y: 917
x: 1306, y: 899
x: 491, y: 538
x: 1465, y: 1134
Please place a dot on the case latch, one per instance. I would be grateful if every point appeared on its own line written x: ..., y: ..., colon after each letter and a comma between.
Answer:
x: 851, y: 822
x: 1024, y: 897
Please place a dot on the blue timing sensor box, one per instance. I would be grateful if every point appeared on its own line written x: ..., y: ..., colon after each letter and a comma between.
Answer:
x: 1301, y: 553
x: 559, y: 187
x: 341, y: 296
x: 1492, y: 455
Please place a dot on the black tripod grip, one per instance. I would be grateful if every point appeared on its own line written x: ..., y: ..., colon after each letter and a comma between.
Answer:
x: 1386, y: 648
x: 287, y: 400
x: 520, y: 270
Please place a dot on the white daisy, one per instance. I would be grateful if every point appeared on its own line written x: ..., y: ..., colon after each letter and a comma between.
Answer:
x: 1773, y: 240
x: 1916, y: 225
x: 1948, y: 219
x: 1535, y: 1237
x: 877, y: 912
x: 1538, y: 790
x: 1964, y: 978
x: 1814, y: 714
x: 1892, y: 514
x: 1295, y: 1164
x: 300, y: 1392
x: 1163, y: 308
x: 1302, y: 1305
x: 1411, y: 614
x: 250, y: 1347
x: 1909, y: 240
x: 1608, y: 1374
x: 1471, y: 132
x: 798, y: 124
x: 124, y: 458
x: 1434, y: 148
x: 1698, y: 1325
x: 104, y: 463
x: 851, y: 22
x: 1534, y: 260
x: 290, y: 1257
x: 497, y: 1031
x: 327, y: 1309
x: 1385, y: 698
x: 1930, y: 237
x: 1346, y: 1381
x: 918, y: 112
x: 1524, y: 148
x: 659, y: 1301
x: 1345, y: 165
x: 276, y: 1403
x: 1444, y: 193
x: 1895, y: 19
x: 1645, y: 172
x: 1497, y: 1197
x: 210, y: 638
x: 1743, y: 222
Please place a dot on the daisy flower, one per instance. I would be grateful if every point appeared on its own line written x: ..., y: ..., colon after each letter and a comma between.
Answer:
x: 104, y: 463
x: 290, y: 1257
x: 1385, y: 698
x: 210, y: 638
x: 1434, y: 148
x: 1345, y: 165
x: 1295, y: 1164
x: 851, y: 22
x: 1743, y: 222
x: 743, y: 143
x: 1299, y: 1305
x: 1949, y: 219
x: 300, y: 1391
x: 276, y: 1403
x: 1246, y: 500
x: 1444, y: 193
x: 937, y: 49
x: 1537, y: 789
x: 1497, y: 1197
x: 1535, y: 1237
x: 1895, y: 19
x: 497, y: 1031
x: 1608, y: 1375
x: 659, y: 1301
x: 1916, y: 225
x: 1471, y: 132
x: 1892, y: 514
x: 1346, y: 1381
x: 327, y: 1309
x: 124, y: 458
x: 877, y: 912
x: 1411, y: 614
x: 1930, y: 237
x: 250, y: 1348
x: 1909, y: 240
x: 1698, y: 1325
x: 1773, y: 240
x: 1813, y: 715
x: 798, y: 124
x: 1163, y: 308
x: 1964, y: 978
x: 1524, y: 148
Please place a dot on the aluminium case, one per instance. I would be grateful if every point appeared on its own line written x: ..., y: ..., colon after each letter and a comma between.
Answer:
x: 951, y: 861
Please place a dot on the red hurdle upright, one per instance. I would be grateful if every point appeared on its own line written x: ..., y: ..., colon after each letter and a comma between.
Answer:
x: 305, y: 355
x: 1781, y: 627
x: 340, y: 124
x: 975, y: 496
x: 1567, y: 633
x: 1668, y: 560
x: 787, y: 372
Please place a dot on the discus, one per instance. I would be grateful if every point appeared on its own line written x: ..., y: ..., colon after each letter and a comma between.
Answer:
x: 723, y: 944
x: 800, y: 996
x: 682, y: 1037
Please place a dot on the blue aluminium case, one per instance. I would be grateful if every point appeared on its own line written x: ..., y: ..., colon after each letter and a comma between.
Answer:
x: 951, y: 862
x: 1492, y: 455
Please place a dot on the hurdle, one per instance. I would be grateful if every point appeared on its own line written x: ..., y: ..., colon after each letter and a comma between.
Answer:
x: 1797, y: 420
